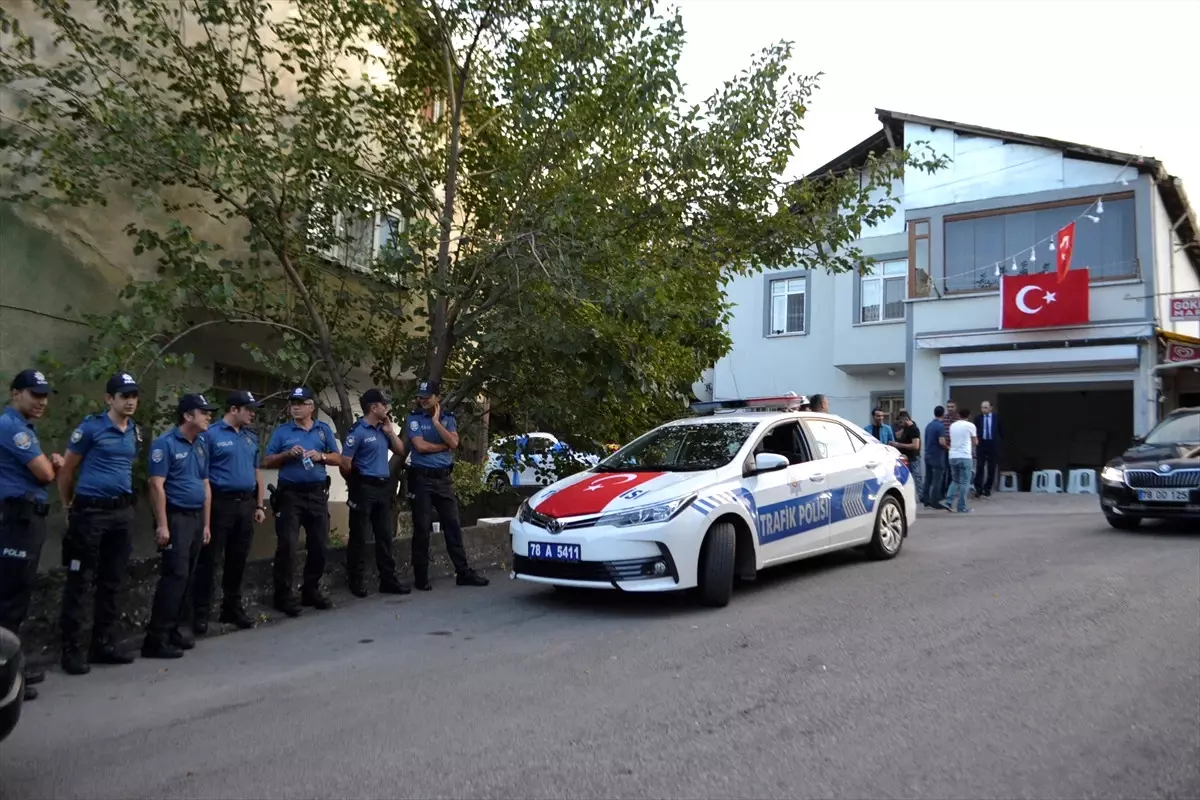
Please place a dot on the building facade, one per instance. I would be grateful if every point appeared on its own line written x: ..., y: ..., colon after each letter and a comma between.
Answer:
x: 922, y: 323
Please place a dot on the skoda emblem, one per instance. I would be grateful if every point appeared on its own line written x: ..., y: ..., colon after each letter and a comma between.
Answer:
x: 554, y: 526
x: 1165, y: 468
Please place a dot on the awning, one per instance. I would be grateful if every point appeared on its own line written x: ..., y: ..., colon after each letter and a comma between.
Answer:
x: 1178, y: 350
x: 992, y: 338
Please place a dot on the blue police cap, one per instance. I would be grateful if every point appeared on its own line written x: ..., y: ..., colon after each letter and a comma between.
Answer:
x: 121, y: 383
x: 300, y: 394
x: 33, y: 380
x: 374, y: 396
x: 428, y: 388
x: 242, y: 400
x: 193, y: 402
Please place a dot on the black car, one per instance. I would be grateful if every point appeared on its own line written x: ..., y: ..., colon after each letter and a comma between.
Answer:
x: 12, y: 681
x: 1158, y: 477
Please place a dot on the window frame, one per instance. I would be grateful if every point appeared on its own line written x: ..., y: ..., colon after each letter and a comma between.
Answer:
x: 884, y: 399
x: 1081, y: 201
x: 810, y: 427
x: 915, y: 235
x: 771, y: 279
x: 899, y: 277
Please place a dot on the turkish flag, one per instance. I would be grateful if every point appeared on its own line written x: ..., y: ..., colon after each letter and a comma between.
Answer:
x: 591, y: 495
x: 1040, y: 301
x: 1065, y: 242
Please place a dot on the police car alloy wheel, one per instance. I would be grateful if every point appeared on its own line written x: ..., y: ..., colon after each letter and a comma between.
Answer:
x: 716, y: 565
x: 890, y: 528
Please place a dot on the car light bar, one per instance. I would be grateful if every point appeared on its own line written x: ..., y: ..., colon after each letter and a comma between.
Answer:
x: 785, y: 402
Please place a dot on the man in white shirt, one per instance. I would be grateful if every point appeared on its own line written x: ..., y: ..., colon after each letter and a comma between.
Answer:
x: 962, y: 449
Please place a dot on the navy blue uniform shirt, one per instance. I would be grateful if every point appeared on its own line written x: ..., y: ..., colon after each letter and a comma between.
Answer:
x: 935, y: 454
x: 319, y: 437
x: 420, y: 423
x: 232, y: 457
x: 368, y: 445
x: 18, y: 446
x: 184, y: 464
x: 107, y: 456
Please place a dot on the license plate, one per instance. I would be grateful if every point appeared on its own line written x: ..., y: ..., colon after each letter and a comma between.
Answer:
x: 1163, y: 495
x: 555, y: 551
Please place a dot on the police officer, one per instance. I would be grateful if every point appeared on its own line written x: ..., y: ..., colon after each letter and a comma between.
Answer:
x: 24, y: 473
x: 365, y: 455
x: 237, y: 504
x: 100, y: 513
x: 300, y: 450
x: 433, y: 437
x: 181, y: 498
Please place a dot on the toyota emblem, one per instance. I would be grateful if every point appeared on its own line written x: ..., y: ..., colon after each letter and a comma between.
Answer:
x: 554, y: 526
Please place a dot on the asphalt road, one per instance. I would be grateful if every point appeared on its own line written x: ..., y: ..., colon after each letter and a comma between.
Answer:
x: 1001, y: 655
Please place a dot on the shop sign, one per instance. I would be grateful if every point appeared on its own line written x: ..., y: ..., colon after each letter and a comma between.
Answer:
x: 1182, y: 352
x: 1185, y: 308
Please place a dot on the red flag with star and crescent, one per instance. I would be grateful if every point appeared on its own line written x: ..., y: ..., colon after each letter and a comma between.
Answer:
x: 1065, y: 242
x: 1041, y: 301
x: 593, y: 494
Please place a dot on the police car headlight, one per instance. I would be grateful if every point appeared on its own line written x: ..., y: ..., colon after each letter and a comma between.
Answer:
x: 1112, y: 475
x: 524, y: 513
x: 647, y: 515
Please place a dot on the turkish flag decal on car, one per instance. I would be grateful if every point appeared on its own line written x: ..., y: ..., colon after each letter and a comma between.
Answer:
x: 1042, y: 301
x: 591, y: 495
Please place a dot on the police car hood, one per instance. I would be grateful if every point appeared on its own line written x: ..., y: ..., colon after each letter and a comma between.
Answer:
x: 599, y: 492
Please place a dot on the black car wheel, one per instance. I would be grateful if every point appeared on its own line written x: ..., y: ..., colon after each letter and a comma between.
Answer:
x: 12, y: 681
x: 1124, y: 523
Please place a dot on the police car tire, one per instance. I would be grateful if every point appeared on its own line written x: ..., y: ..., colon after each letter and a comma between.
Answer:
x: 716, y: 566
x: 1124, y: 523
x: 891, y: 506
x: 498, y: 481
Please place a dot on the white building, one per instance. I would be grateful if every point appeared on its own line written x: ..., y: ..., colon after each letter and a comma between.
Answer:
x: 923, y: 325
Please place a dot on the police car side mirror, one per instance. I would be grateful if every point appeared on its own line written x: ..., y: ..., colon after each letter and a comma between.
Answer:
x: 767, y: 462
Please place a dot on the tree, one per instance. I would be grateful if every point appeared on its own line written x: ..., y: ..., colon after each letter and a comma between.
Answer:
x: 574, y: 220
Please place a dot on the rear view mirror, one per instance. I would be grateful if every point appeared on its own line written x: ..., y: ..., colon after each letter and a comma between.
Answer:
x: 768, y: 462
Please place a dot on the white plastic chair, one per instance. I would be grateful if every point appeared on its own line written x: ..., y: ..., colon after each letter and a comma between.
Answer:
x: 1081, y: 481
x: 1047, y: 481
x: 1008, y: 482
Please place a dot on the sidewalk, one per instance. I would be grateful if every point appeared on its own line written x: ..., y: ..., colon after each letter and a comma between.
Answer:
x: 1008, y: 504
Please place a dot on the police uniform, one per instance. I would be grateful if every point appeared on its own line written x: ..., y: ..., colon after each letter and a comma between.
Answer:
x: 370, y: 502
x: 183, y: 465
x: 24, y: 504
x: 431, y: 487
x: 302, y: 499
x: 99, y: 536
x: 233, y: 464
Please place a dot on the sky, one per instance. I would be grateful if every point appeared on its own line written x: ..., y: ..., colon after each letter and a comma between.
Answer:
x: 1118, y: 75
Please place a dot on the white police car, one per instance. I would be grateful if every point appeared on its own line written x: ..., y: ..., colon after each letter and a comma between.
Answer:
x: 697, y: 502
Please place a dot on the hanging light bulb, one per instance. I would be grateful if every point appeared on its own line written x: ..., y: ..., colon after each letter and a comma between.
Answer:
x: 1052, y: 247
x: 1123, y: 181
x: 1093, y: 217
x: 1013, y: 267
x: 1033, y: 254
x: 997, y: 269
x: 1100, y: 206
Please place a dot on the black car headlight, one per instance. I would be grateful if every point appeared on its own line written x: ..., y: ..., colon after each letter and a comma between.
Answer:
x: 1112, y: 475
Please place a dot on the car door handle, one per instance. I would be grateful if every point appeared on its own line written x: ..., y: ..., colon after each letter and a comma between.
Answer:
x: 817, y: 478
x: 872, y: 464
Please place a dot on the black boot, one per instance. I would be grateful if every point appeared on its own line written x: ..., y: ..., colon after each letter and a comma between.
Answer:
x: 421, y: 580
x: 394, y: 585
x: 158, y: 647
x: 183, y: 641
x: 30, y: 693
x: 314, y: 598
x: 234, y: 615
x: 358, y: 587
x: 469, y: 577
x: 73, y: 661
x: 288, y: 605
x: 34, y: 675
x: 200, y: 625
x: 104, y: 651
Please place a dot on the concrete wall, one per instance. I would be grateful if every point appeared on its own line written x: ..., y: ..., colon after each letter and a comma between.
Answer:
x: 1175, y: 273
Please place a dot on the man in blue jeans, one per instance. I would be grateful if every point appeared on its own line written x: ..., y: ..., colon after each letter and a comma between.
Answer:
x: 963, y: 441
x: 935, y: 459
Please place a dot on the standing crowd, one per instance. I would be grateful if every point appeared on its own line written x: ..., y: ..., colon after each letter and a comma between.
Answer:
x: 207, y: 491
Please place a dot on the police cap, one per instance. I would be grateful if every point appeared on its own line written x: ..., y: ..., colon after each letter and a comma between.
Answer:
x: 242, y: 400
x: 121, y: 383
x: 300, y: 394
x: 374, y: 396
x: 428, y: 388
x: 31, y: 379
x: 193, y: 402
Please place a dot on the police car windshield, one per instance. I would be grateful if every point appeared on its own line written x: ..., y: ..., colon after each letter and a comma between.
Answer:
x: 1184, y: 429
x: 682, y: 448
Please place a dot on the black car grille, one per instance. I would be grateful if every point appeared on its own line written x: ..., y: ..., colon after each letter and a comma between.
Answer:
x: 555, y: 526
x: 1152, y: 479
x: 631, y: 569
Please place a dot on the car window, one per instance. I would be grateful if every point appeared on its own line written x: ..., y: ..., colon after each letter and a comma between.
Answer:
x: 682, y: 448
x: 1184, y: 429
x: 538, y: 445
x: 831, y: 439
x: 856, y: 439
x: 784, y: 440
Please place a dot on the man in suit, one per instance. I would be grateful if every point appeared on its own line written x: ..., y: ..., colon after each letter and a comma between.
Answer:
x: 990, y: 433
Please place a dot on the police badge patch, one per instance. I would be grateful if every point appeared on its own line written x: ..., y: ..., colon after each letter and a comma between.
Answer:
x: 76, y: 435
x: 350, y: 440
x: 414, y: 425
x: 157, y: 455
x: 22, y: 440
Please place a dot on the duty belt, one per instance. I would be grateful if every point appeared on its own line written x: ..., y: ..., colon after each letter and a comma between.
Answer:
x: 305, y: 488
x: 39, y: 508
x: 430, y: 472
x: 248, y: 494
x: 368, y: 480
x: 107, y: 503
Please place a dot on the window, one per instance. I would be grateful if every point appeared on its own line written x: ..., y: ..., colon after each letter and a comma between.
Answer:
x: 227, y: 378
x: 891, y: 404
x: 830, y: 438
x: 368, y: 235
x: 787, y: 306
x: 919, y: 281
x: 977, y: 244
x: 682, y: 448
x: 783, y: 440
x: 881, y: 291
